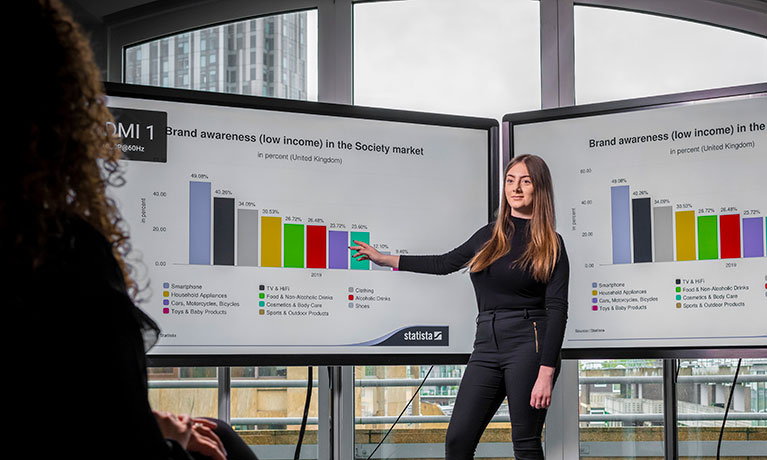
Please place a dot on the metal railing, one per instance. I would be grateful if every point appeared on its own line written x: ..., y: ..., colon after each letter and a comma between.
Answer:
x: 456, y: 381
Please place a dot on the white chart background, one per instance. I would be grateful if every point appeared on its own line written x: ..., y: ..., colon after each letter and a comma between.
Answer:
x: 707, y: 180
x: 424, y: 204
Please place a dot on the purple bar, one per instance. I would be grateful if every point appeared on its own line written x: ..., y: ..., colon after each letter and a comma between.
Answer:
x: 753, y: 237
x: 621, y: 217
x: 338, y: 249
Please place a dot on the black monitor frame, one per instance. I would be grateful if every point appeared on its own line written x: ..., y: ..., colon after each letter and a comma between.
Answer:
x: 335, y: 110
x: 630, y: 105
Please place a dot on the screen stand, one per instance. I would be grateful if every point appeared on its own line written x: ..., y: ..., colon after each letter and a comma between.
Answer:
x: 670, y: 434
x: 224, y: 394
x: 335, y: 407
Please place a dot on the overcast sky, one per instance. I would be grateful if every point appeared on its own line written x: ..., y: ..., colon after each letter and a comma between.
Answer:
x: 482, y: 57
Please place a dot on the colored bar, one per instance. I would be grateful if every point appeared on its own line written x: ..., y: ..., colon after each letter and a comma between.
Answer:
x: 685, y: 235
x: 642, y: 229
x: 316, y: 247
x: 381, y: 267
x: 729, y: 226
x: 753, y: 237
x: 294, y: 245
x: 271, y: 241
x: 621, y: 224
x: 707, y: 238
x: 199, y: 223
x: 247, y: 237
x: 223, y: 231
x: 338, y: 249
x: 664, y: 234
x: 355, y: 264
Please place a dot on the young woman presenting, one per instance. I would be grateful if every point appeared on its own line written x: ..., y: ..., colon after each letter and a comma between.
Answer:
x: 520, y: 271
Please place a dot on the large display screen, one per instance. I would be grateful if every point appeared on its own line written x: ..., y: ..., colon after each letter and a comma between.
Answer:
x: 241, y: 212
x: 662, y: 203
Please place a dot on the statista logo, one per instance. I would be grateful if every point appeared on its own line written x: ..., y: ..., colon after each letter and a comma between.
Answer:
x: 423, y: 335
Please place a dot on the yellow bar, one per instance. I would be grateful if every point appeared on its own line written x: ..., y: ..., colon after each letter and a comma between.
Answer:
x: 271, y: 241
x: 685, y: 235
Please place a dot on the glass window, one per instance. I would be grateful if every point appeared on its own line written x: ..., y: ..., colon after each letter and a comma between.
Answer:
x: 703, y: 390
x: 450, y: 56
x: 187, y: 54
x: 621, y: 55
x: 184, y: 390
x: 627, y: 423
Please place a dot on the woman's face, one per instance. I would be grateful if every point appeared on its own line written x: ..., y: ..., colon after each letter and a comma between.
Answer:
x: 518, y: 190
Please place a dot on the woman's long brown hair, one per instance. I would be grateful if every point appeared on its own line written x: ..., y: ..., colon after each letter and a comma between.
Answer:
x: 63, y: 156
x: 542, y: 252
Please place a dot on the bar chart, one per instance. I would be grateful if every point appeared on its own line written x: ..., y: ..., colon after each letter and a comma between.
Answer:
x: 226, y: 231
x: 666, y: 236
x: 646, y: 229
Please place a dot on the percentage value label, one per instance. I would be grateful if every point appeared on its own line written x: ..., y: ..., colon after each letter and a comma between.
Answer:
x: 663, y: 201
x: 620, y: 180
x: 336, y: 225
x: 706, y: 210
x: 270, y: 212
x: 402, y: 251
x: 293, y: 219
x: 641, y: 193
x: 315, y: 220
x: 223, y: 192
x: 246, y: 204
x: 683, y: 206
x: 359, y: 227
x: 751, y: 212
x: 199, y: 176
x: 729, y: 209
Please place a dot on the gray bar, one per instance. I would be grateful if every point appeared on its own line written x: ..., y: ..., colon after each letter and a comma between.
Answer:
x: 664, y: 234
x: 247, y: 237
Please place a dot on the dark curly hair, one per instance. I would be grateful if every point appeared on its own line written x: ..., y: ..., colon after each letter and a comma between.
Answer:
x: 64, y: 157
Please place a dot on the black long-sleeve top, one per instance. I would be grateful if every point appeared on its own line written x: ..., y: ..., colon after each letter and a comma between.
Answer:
x: 81, y: 354
x: 503, y: 285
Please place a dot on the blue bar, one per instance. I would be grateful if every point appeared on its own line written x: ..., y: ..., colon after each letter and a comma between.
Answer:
x: 621, y: 224
x: 199, y: 223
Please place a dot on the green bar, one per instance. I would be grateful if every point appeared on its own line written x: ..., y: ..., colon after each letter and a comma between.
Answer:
x: 708, y: 247
x: 294, y: 245
x: 355, y: 264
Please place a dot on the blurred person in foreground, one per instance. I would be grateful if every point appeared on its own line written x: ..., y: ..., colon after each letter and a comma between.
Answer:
x: 74, y: 336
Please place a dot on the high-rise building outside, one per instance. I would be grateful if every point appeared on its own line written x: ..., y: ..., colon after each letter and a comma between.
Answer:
x: 260, y: 57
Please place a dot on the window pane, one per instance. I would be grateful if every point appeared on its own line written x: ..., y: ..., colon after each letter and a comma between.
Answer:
x: 267, y: 406
x: 622, y: 55
x: 450, y: 56
x: 233, y: 52
x: 703, y: 388
x: 377, y: 406
x: 184, y: 390
x: 621, y: 409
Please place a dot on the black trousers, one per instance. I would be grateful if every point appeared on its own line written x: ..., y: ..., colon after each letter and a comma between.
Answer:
x: 504, y: 363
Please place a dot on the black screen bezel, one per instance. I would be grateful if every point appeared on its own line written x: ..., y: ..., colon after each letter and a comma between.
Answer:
x: 509, y: 121
x: 322, y: 109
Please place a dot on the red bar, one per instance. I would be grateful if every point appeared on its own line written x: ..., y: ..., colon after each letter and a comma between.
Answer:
x: 316, y: 247
x: 729, y: 226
